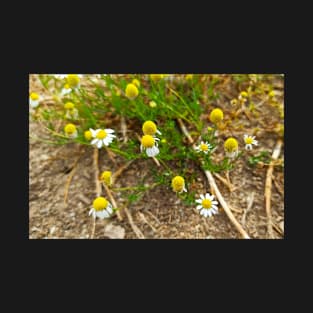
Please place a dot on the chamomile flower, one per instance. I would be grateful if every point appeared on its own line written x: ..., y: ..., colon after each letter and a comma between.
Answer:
x: 204, y: 147
x: 66, y: 90
x: 71, y: 111
x: 59, y: 76
x: 249, y: 141
x: 207, y: 205
x: 150, y: 144
x: 106, y: 177
x: 243, y: 96
x: 70, y: 130
x: 216, y: 116
x: 88, y: 135
x: 156, y: 77
x: 233, y: 102
x: 73, y: 80
x: 34, y: 99
x: 101, y: 208
x: 189, y: 77
x: 131, y: 91
x: 102, y: 137
x: 149, y: 128
x: 178, y: 184
x: 231, y: 147
x: 136, y: 82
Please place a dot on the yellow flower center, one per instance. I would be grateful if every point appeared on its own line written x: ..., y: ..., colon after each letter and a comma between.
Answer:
x: 147, y: 141
x: 72, y: 80
x: 69, y: 105
x: 244, y: 94
x: 204, y: 147
x: 136, y: 82
x: 216, y: 116
x: 101, y: 134
x: 131, y: 91
x: 178, y: 183
x: 271, y: 94
x: 34, y: 96
x: 100, y: 203
x: 206, y: 203
x: 70, y: 129
x: 149, y: 128
x: 88, y: 134
x: 152, y: 104
x: 106, y: 177
x: 248, y: 140
x: 156, y: 77
x: 67, y: 86
x: 231, y: 144
x: 189, y: 76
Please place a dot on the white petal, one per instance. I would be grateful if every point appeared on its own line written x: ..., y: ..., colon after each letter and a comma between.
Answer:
x: 93, y: 132
x: 111, y: 136
x: 202, y: 197
x: 199, y: 207
x: 100, y: 214
x: 109, y: 209
x: 109, y: 130
x: 198, y: 201
x: 90, y: 212
x: 214, y: 202
x: 185, y: 189
x: 245, y: 136
x: 99, y: 144
x: 106, y: 142
x: 159, y: 132
x: 141, y: 148
x: 209, y: 213
x: 202, y: 212
x: 94, y: 141
x: 207, y: 196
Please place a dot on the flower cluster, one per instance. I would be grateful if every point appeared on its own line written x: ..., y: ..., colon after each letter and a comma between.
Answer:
x: 148, y: 141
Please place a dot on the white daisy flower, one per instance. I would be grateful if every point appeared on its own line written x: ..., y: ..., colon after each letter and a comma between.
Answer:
x: 249, y: 141
x: 203, y: 147
x: 178, y: 184
x: 101, y: 208
x: 102, y: 137
x: 66, y: 90
x: 34, y: 99
x: 231, y: 147
x: 150, y: 144
x: 207, y: 205
x: 149, y: 128
x: 71, y: 111
x: 71, y: 131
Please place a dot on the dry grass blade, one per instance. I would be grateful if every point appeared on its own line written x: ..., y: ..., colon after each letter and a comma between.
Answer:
x: 268, y: 188
x: 112, y: 200
x: 250, y: 200
x: 230, y: 186
x: 124, y: 129
x: 143, y: 218
x: 216, y: 190
x: 98, y: 184
x: 136, y: 230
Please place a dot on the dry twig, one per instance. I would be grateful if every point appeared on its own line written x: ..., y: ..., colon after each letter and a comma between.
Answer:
x: 124, y: 129
x: 98, y: 185
x: 250, y: 200
x: 120, y: 170
x: 112, y: 200
x: 268, y: 188
x: 136, y: 230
